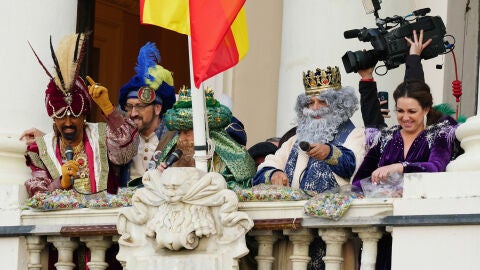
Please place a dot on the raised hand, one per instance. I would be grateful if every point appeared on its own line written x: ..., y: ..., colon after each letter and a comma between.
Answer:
x: 417, y: 45
x: 30, y: 135
x: 99, y: 94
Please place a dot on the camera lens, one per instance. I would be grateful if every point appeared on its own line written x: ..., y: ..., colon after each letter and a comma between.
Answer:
x: 355, y: 61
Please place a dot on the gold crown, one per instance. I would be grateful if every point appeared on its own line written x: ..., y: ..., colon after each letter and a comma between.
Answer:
x: 321, y: 80
x: 185, y: 98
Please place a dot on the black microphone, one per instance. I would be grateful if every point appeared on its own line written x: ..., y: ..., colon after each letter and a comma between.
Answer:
x: 69, y: 155
x: 305, y: 146
x: 351, y: 33
x: 421, y: 12
x: 69, y: 152
x: 176, y: 155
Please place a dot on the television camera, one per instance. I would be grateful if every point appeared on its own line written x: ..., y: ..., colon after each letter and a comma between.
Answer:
x: 388, y: 39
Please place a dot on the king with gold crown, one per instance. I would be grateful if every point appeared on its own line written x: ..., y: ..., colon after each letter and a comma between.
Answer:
x: 326, y: 147
x: 321, y: 155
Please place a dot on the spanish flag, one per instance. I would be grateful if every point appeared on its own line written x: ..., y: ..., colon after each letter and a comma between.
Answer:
x: 218, y: 30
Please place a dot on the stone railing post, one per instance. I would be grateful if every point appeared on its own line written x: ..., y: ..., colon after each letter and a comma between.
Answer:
x: 468, y: 135
x: 334, y: 240
x: 98, y: 246
x: 265, y: 240
x: 301, y: 239
x: 65, y: 247
x: 35, y: 246
x: 369, y: 237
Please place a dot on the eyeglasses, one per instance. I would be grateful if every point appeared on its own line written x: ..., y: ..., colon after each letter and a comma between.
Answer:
x: 138, y: 107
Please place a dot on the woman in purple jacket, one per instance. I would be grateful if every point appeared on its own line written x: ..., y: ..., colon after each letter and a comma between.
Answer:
x: 423, y: 140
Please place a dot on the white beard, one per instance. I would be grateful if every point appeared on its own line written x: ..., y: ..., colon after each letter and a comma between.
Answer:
x: 321, y: 130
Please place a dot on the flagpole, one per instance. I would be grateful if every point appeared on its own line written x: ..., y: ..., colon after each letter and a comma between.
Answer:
x: 198, y: 114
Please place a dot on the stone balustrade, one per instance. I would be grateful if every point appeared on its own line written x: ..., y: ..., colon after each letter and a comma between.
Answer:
x: 68, y: 229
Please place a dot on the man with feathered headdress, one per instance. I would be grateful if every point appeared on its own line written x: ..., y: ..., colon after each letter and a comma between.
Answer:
x: 145, y: 99
x: 78, y: 154
x: 229, y: 158
x: 324, y: 129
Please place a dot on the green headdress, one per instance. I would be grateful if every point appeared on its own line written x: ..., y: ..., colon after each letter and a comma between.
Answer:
x: 180, y: 116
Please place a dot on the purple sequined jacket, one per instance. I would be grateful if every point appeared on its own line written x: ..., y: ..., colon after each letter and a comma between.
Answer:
x: 430, y: 151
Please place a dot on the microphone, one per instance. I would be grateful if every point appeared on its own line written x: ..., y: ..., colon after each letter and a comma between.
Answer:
x: 69, y: 155
x: 176, y: 155
x: 305, y: 146
x: 351, y: 33
x: 69, y: 152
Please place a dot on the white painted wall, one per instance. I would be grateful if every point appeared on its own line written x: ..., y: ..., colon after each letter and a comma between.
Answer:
x: 29, y: 20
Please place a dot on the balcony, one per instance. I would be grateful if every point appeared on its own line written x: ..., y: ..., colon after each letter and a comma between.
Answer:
x: 438, y: 212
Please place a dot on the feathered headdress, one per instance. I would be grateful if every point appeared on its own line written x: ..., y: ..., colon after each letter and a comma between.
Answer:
x: 66, y: 92
x: 152, y: 83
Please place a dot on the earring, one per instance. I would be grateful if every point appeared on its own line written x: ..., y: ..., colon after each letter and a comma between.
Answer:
x: 425, y: 120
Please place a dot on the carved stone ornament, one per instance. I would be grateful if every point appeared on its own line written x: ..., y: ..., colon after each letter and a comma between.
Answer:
x: 183, y: 218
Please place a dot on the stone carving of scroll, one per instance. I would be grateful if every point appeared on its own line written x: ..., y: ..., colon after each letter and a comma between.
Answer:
x: 178, y: 210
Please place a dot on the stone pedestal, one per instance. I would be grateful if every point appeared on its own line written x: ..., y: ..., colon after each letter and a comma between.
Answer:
x: 468, y: 134
x: 183, y: 219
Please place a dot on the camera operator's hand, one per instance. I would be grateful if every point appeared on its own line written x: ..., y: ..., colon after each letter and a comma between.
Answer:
x: 366, y: 74
x: 417, y: 45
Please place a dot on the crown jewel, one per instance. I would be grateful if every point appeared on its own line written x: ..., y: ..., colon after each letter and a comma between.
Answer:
x: 321, y: 80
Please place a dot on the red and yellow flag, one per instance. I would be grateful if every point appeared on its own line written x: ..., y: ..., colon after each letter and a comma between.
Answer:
x: 218, y: 30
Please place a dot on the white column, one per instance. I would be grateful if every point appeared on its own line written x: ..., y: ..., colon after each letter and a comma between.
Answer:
x: 98, y: 245
x: 370, y: 237
x: 65, y: 247
x: 468, y: 135
x: 334, y: 240
x: 301, y: 240
x: 35, y: 246
x: 24, y: 20
x: 265, y: 240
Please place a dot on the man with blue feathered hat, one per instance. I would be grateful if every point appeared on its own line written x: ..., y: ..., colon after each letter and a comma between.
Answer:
x: 145, y: 99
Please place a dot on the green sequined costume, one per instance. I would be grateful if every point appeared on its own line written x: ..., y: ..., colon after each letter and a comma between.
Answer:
x: 230, y: 160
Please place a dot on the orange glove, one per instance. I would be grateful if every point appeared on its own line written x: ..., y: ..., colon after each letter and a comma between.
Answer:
x: 69, y: 170
x: 99, y: 94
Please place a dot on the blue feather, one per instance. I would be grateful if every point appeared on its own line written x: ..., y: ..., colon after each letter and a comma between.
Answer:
x: 148, y: 57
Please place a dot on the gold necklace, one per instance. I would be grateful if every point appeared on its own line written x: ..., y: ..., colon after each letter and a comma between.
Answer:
x: 76, y: 149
